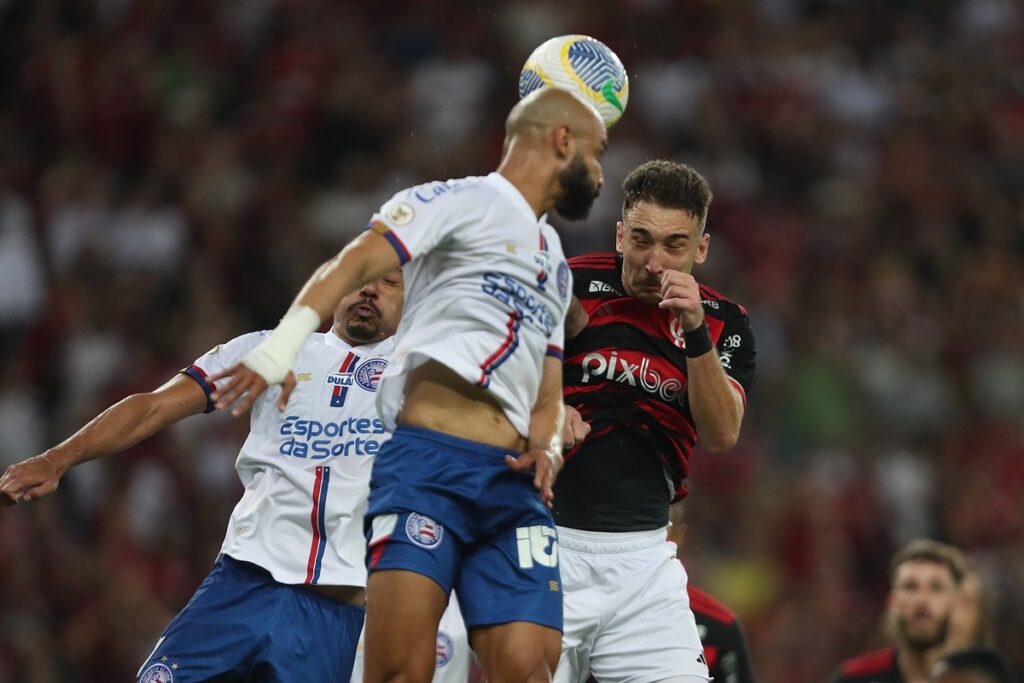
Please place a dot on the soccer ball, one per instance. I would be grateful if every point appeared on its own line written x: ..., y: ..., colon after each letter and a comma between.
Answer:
x: 585, y: 67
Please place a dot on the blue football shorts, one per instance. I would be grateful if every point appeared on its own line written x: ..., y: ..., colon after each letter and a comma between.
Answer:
x: 452, y: 510
x: 241, y: 625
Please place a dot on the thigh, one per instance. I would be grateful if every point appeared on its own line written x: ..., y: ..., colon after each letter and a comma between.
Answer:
x: 652, y: 636
x: 516, y: 652
x: 403, y: 609
x: 217, y: 633
x: 583, y: 603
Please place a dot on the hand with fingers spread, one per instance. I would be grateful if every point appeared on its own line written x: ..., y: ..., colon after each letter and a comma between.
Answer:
x: 30, y: 479
x: 243, y: 386
x: 545, y: 466
x: 574, y: 429
x: 680, y: 293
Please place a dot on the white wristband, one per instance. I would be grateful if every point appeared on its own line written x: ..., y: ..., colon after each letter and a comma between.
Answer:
x: 274, y: 357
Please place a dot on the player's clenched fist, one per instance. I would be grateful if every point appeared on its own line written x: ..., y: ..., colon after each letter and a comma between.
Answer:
x: 574, y: 429
x: 28, y: 480
x: 680, y: 293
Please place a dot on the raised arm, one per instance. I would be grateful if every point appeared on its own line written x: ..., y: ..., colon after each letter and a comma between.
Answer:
x: 368, y: 257
x: 119, y: 427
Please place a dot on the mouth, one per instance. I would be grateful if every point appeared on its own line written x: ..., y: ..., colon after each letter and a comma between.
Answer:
x: 365, y: 310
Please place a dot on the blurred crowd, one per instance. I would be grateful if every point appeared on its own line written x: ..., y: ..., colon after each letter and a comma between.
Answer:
x: 171, y: 170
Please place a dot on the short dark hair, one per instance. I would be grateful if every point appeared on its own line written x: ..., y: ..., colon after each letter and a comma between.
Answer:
x: 668, y: 184
x: 927, y: 550
x: 981, y: 660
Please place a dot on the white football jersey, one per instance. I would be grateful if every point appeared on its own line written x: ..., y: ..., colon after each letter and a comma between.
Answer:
x: 486, y: 289
x: 306, y: 471
x: 452, y: 656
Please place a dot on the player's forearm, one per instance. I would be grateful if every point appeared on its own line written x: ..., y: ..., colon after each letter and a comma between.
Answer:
x: 717, y: 410
x: 546, y: 422
x: 576, y: 318
x: 365, y: 259
x: 119, y: 427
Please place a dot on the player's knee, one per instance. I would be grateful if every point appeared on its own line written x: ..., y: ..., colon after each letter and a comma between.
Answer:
x: 522, y: 667
x: 407, y: 672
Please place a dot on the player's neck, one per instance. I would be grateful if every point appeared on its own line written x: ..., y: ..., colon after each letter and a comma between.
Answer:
x: 916, y: 665
x: 523, y: 168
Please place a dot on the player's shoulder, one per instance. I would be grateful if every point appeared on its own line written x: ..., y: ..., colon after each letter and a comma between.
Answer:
x: 706, y: 605
x: 868, y: 667
x: 598, y: 261
x: 717, y: 303
x: 445, y: 191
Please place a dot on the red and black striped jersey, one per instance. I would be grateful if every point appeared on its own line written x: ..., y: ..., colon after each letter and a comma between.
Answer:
x: 725, y: 647
x: 626, y: 374
x: 881, y: 666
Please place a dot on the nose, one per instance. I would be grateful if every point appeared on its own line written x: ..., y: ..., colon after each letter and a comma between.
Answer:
x: 369, y: 290
x: 655, y: 263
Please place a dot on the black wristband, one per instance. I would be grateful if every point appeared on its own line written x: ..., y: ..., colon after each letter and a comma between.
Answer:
x: 698, y: 341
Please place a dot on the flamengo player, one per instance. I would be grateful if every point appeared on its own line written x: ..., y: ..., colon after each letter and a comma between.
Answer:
x: 285, y: 599
x: 662, y: 361
x: 476, y: 381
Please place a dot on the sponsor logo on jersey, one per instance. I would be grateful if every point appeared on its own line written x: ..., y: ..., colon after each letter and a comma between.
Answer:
x: 563, y: 280
x: 598, y: 286
x: 423, y: 531
x: 340, y: 379
x: 303, y: 376
x: 675, y: 328
x: 445, y: 649
x: 158, y: 673
x: 400, y: 213
x: 368, y: 374
x: 635, y: 374
x: 317, y: 440
x: 514, y: 294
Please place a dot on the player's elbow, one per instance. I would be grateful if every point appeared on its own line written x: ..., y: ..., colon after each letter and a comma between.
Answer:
x: 719, y: 441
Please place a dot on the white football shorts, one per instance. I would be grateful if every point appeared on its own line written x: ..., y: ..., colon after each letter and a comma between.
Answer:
x: 627, y: 614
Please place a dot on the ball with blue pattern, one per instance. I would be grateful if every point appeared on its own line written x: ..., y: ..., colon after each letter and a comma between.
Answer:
x: 583, y: 66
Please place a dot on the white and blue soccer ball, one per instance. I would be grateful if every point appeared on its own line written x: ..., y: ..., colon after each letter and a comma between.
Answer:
x: 585, y: 67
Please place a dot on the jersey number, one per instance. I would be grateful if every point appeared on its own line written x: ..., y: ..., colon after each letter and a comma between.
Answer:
x: 537, y: 544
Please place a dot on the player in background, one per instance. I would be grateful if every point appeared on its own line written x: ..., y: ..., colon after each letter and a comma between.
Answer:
x: 925, y: 581
x: 973, y: 665
x: 654, y: 360
x: 453, y: 658
x: 285, y: 598
x: 475, y: 391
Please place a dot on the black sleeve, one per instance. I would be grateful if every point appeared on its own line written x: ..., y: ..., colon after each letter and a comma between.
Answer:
x: 733, y: 663
x: 736, y: 348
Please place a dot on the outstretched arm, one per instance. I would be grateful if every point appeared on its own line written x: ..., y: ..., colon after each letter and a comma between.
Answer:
x: 367, y: 258
x: 119, y: 427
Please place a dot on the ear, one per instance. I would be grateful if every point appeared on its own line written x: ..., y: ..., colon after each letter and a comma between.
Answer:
x: 564, y: 142
x: 702, y: 248
x: 620, y: 231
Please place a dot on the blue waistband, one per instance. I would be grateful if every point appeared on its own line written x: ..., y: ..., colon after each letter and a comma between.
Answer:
x: 452, y: 442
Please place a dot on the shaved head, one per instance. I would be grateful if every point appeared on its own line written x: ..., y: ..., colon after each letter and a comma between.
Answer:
x: 553, y: 145
x: 548, y: 107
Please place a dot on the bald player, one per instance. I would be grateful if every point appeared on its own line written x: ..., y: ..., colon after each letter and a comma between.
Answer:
x: 460, y: 497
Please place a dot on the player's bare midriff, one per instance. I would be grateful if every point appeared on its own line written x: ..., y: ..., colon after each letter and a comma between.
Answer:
x: 439, y: 399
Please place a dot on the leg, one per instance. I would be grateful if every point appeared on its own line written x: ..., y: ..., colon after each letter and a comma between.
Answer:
x: 403, y: 609
x: 517, y: 652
